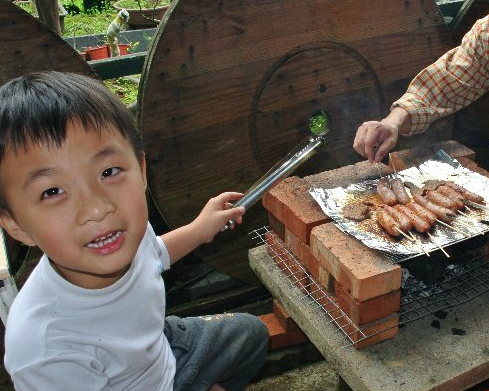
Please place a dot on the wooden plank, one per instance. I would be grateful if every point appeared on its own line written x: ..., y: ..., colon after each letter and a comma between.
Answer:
x: 109, y: 68
x: 229, y: 86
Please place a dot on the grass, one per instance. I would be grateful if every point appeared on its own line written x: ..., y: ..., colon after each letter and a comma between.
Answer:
x: 134, y: 4
x: 93, y: 22
x: 123, y: 88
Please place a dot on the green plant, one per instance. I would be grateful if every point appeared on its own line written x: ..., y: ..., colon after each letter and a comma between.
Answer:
x: 137, y: 4
x: 319, y: 123
x: 126, y: 90
x: 86, y: 23
x: 133, y: 47
x: 28, y: 7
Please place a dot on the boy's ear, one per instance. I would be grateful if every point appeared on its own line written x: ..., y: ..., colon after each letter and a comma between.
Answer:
x: 142, y: 164
x: 9, y: 224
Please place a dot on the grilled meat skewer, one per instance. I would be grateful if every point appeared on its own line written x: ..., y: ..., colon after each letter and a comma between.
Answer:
x: 422, y: 212
x: 417, y: 221
x: 402, y: 219
x: 456, y: 197
x: 467, y: 194
x: 439, y: 199
x: 385, y: 192
x: 415, y: 190
x: 444, y: 214
x: 387, y: 222
x: 399, y: 190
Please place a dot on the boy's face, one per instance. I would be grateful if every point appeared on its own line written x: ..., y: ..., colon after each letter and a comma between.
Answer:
x: 83, y: 204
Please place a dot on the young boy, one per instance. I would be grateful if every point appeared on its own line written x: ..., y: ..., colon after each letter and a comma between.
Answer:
x: 91, y: 316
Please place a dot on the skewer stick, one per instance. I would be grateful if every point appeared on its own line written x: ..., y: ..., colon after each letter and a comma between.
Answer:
x: 418, y: 242
x: 453, y: 228
x: 378, y: 169
x: 469, y: 227
x: 403, y: 234
x: 467, y: 207
x: 437, y: 244
x: 392, y: 161
x: 463, y: 214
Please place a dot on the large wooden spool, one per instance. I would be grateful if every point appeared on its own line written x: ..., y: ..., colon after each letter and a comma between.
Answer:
x: 29, y: 46
x: 229, y: 86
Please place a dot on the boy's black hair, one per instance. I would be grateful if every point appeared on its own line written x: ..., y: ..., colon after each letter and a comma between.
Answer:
x: 36, y: 108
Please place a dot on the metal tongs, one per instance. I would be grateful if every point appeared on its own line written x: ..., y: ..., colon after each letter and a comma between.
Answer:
x: 284, y: 168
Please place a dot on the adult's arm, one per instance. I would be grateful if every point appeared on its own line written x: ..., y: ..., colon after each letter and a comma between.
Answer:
x: 455, y: 80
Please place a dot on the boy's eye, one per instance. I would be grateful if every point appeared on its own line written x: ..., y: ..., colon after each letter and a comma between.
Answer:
x: 110, y: 172
x: 53, y: 191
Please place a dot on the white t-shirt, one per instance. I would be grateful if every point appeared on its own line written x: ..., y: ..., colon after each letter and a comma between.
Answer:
x: 63, y: 337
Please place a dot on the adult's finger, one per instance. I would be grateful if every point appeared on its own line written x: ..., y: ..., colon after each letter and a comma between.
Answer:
x: 372, y: 141
x: 384, y: 148
x: 359, y: 142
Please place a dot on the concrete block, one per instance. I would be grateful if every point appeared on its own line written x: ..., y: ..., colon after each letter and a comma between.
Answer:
x: 362, y: 312
x: 291, y: 203
x: 361, y: 270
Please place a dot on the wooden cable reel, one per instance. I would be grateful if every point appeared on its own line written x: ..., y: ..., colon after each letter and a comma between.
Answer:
x: 229, y: 86
x: 29, y: 46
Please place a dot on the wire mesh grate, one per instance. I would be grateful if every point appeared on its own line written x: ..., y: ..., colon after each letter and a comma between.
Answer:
x: 313, y: 293
x: 462, y: 282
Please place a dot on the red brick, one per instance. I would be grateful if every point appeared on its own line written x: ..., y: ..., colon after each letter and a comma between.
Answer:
x: 375, y: 332
x: 283, y: 316
x: 347, y: 175
x: 291, y: 203
x: 279, y: 337
x: 303, y: 253
x: 286, y: 261
x: 361, y: 312
x: 276, y: 226
x: 473, y: 166
x: 325, y: 278
x: 361, y: 270
x: 415, y: 156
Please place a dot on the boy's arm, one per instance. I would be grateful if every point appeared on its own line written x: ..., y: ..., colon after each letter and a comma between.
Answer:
x: 216, y: 213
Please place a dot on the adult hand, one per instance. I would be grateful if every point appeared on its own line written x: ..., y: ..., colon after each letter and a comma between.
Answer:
x: 375, y: 139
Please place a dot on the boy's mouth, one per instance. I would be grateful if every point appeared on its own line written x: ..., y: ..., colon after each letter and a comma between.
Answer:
x: 102, y: 241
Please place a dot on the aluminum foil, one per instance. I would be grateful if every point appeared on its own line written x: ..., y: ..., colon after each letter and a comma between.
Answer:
x: 371, y: 234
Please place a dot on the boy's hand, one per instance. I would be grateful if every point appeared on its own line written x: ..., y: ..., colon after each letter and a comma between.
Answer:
x: 216, y: 213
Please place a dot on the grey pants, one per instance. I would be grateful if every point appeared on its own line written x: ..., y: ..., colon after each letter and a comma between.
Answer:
x: 228, y: 349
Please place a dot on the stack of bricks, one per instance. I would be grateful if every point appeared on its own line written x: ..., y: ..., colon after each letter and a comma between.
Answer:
x: 366, y: 286
x: 282, y: 329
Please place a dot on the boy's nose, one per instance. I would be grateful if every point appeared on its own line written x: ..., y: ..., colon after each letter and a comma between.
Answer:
x: 94, y: 207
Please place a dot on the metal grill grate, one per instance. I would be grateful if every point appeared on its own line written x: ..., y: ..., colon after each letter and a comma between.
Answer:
x: 460, y: 284
x: 313, y: 293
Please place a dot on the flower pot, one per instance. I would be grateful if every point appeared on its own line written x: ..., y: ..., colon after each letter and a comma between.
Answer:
x: 97, y: 53
x: 137, y: 17
x: 124, y: 48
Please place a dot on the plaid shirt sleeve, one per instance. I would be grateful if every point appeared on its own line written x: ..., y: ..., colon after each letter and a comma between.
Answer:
x: 456, y: 79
